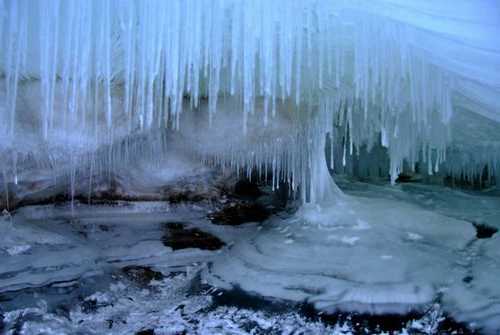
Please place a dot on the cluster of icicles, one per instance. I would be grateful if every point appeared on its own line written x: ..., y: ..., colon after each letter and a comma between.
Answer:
x: 109, y: 69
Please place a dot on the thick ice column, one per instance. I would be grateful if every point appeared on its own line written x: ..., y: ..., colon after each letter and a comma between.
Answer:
x: 322, y: 188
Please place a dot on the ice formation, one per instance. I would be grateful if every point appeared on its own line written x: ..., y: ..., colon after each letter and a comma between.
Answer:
x: 379, y: 250
x: 395, y: 259
x: 387, y: 72
x: 287, y: 89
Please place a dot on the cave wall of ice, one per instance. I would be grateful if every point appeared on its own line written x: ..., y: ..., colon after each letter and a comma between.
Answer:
x: 419, y: 81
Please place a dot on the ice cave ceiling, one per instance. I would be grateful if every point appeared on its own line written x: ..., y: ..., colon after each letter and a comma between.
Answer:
x: 87, y: 79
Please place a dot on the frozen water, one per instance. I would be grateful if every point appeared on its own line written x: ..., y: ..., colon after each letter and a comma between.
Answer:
x: 335, y: 267
x: 43, y: 244
x: 362, y: 254
x: 413, y: 250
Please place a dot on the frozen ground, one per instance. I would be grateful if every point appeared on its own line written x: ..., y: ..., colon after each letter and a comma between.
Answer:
x: 378, y: 250
x: 62, y: 271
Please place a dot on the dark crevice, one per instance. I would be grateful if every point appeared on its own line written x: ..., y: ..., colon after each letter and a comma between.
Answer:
x: 239, y: 213
x: 484, y: 230
x: 178, y: 237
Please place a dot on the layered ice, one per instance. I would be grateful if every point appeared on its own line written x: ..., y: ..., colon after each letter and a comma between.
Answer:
x: 43, y: 245
x: 375, y: 257
x: 386, y: 250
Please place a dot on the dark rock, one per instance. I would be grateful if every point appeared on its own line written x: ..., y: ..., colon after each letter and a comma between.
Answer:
x: 145, y: 332
x: 239, y: 213
x: 477, y: 182
x: 18, y: 325
x: 281, y: 196
x: 251, y: 327
x: 247, y: 189
x: 91, y: 306
x: 113, y: 189
x: 467, y: 279
x: 408, y: 178
x: 141, y: 275
x: 193, y: 189
x: 484, y: 230
x: 63, y: 310
x: 2, y: 325
x: 104, y: 228
x: 177, y: 237
x: 178, y: 196
x: 84, y: 234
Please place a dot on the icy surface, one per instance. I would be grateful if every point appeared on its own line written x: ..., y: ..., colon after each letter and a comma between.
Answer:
x: 47, y: 244
x: 337, y: 258
x: 385, y: 250
x: 392, y: 265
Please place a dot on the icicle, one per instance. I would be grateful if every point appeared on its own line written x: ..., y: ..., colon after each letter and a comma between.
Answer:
x: 6, y: 188
x: 291, y: 56
x: 14, y: 167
